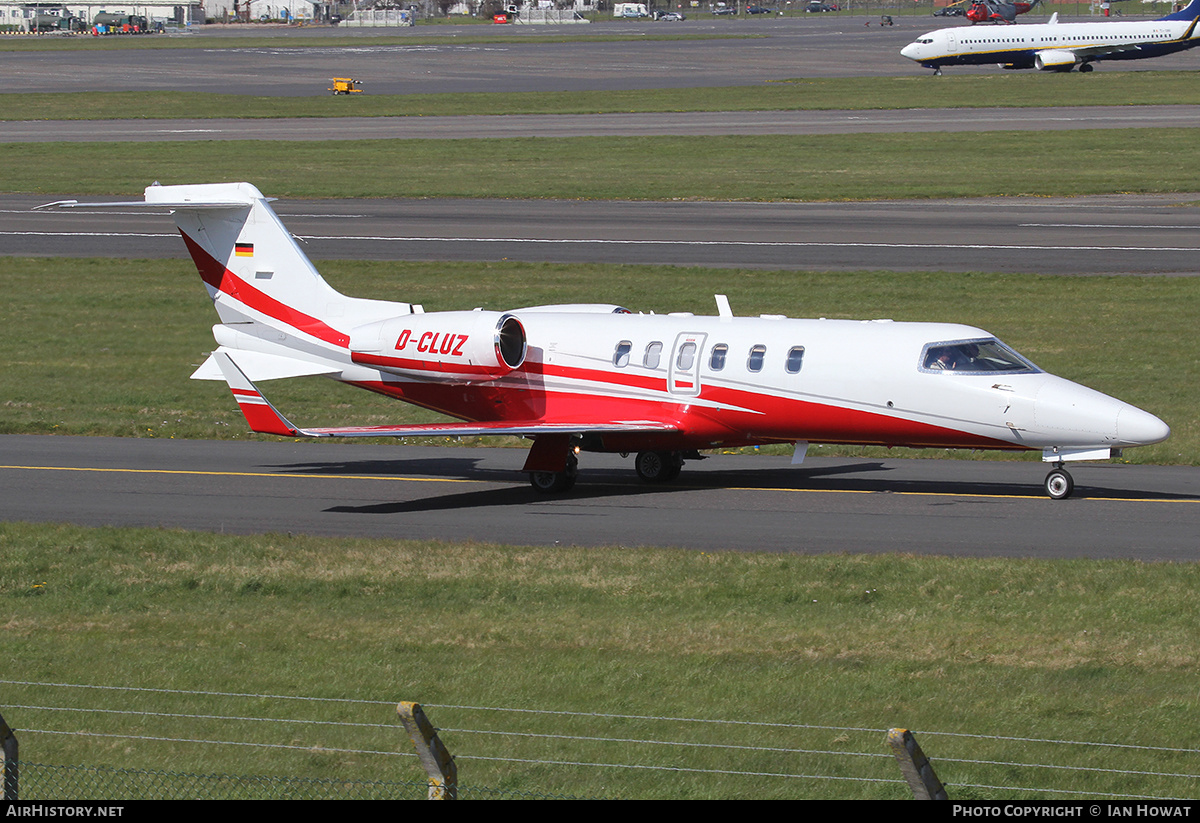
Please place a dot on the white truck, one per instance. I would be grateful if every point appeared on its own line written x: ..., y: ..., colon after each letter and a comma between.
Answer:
x: 630, y: 10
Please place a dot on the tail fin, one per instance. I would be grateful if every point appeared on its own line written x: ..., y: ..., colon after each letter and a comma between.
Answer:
x: 249, y: 261
x: 1189, y: 12
x: 260, y: 281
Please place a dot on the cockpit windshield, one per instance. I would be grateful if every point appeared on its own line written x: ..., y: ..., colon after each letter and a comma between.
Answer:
x: 974, y: 357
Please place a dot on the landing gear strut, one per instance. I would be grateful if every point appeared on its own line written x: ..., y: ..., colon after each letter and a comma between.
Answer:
x: 1059, y: 483
x: 556, y: 482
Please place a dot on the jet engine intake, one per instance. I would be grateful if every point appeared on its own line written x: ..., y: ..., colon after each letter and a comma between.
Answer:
x: 462, y: 346
x: 1054, y: 60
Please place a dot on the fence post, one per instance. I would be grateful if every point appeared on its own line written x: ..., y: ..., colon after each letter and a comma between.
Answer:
x: 11, y: 770
x: 434, y: 756
x: 915, y: 766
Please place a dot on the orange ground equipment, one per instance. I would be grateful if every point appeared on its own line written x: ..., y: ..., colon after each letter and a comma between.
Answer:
x: 346, y: 85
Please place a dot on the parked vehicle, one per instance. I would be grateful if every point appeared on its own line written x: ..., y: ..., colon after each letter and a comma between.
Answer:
x: 116, y: 23
x: 759, y: 10
x: 630, y: 10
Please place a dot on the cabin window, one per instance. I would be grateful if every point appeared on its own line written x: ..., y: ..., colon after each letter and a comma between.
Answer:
x: 687, y: 356
x: 795, y: 359
x: 653, y: 353
x: 974, y: 357
x: 716, y: 360
x: 621, y: 355
x: 757, y: 353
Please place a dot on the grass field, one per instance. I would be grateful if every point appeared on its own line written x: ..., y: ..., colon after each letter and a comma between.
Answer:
x: 846, y: 167
x: 1109, y: 88
x: 1100, y: 652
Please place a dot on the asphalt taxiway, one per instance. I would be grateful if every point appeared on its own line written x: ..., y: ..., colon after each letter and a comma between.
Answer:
x: 1131, y: 234
x: 684, y: 124
x: 735, y: 503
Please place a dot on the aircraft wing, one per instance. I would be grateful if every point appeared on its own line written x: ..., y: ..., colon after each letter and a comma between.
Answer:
x: 468, y: 429
x: 1101, y: 49
x: 266, y: 419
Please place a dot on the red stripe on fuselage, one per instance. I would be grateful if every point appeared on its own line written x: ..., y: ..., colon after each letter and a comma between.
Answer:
x: 758, y: 418
x: 409, y: 364
x: 214, y: 273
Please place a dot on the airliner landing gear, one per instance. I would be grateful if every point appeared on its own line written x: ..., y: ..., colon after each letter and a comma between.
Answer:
x: 556, y: 482
x: 658, y: 467
x: 1085, y: 67
x: 1059, y: 483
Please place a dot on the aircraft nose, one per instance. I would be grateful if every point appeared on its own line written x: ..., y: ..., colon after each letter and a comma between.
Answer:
x: 910, y: 51
x: 1068, y: 410
x: 1075, y: 414
x: 1140, y: 428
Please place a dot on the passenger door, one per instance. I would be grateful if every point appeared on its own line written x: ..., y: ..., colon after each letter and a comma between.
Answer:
x: 683, y: 376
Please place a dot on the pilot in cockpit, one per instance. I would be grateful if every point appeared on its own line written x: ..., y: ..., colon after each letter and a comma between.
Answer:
x: 961, y: 357
x: 968, y: 354
x: 942, y: 359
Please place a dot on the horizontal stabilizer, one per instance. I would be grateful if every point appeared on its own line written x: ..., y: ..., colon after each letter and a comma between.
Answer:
x: 141, y: 204
x: 208, y: 196
x: 262, y: 366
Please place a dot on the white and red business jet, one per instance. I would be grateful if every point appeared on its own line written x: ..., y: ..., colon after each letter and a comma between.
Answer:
x: 600, y: 378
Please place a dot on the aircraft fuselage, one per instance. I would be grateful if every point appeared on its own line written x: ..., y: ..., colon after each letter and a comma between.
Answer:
x: 1050, y: 46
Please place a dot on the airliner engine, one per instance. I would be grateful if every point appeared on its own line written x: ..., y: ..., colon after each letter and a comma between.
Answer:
x: 1054, y: 60
x: 462, y: 346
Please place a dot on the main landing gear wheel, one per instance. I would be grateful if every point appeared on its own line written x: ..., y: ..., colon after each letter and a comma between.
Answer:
x: 1059, y: 484
x: 658, y: 467
x: 556, y: 482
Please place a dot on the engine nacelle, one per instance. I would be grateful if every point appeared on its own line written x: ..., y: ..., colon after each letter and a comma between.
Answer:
x: 578, y: 308
x: 1054, y: 60
x: 456, y: 346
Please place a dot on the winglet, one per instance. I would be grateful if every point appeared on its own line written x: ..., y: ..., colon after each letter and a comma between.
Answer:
x: 260, y: 414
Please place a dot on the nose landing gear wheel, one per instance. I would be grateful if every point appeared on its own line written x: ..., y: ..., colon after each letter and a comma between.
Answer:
x: 1059, y: 484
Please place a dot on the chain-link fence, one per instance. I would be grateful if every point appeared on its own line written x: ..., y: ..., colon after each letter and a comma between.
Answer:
x: 294, y: 747
x: 40, y: 781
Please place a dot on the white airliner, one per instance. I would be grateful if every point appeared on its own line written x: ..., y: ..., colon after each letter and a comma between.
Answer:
x: 600, y: 378
x: 1056, y: 46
